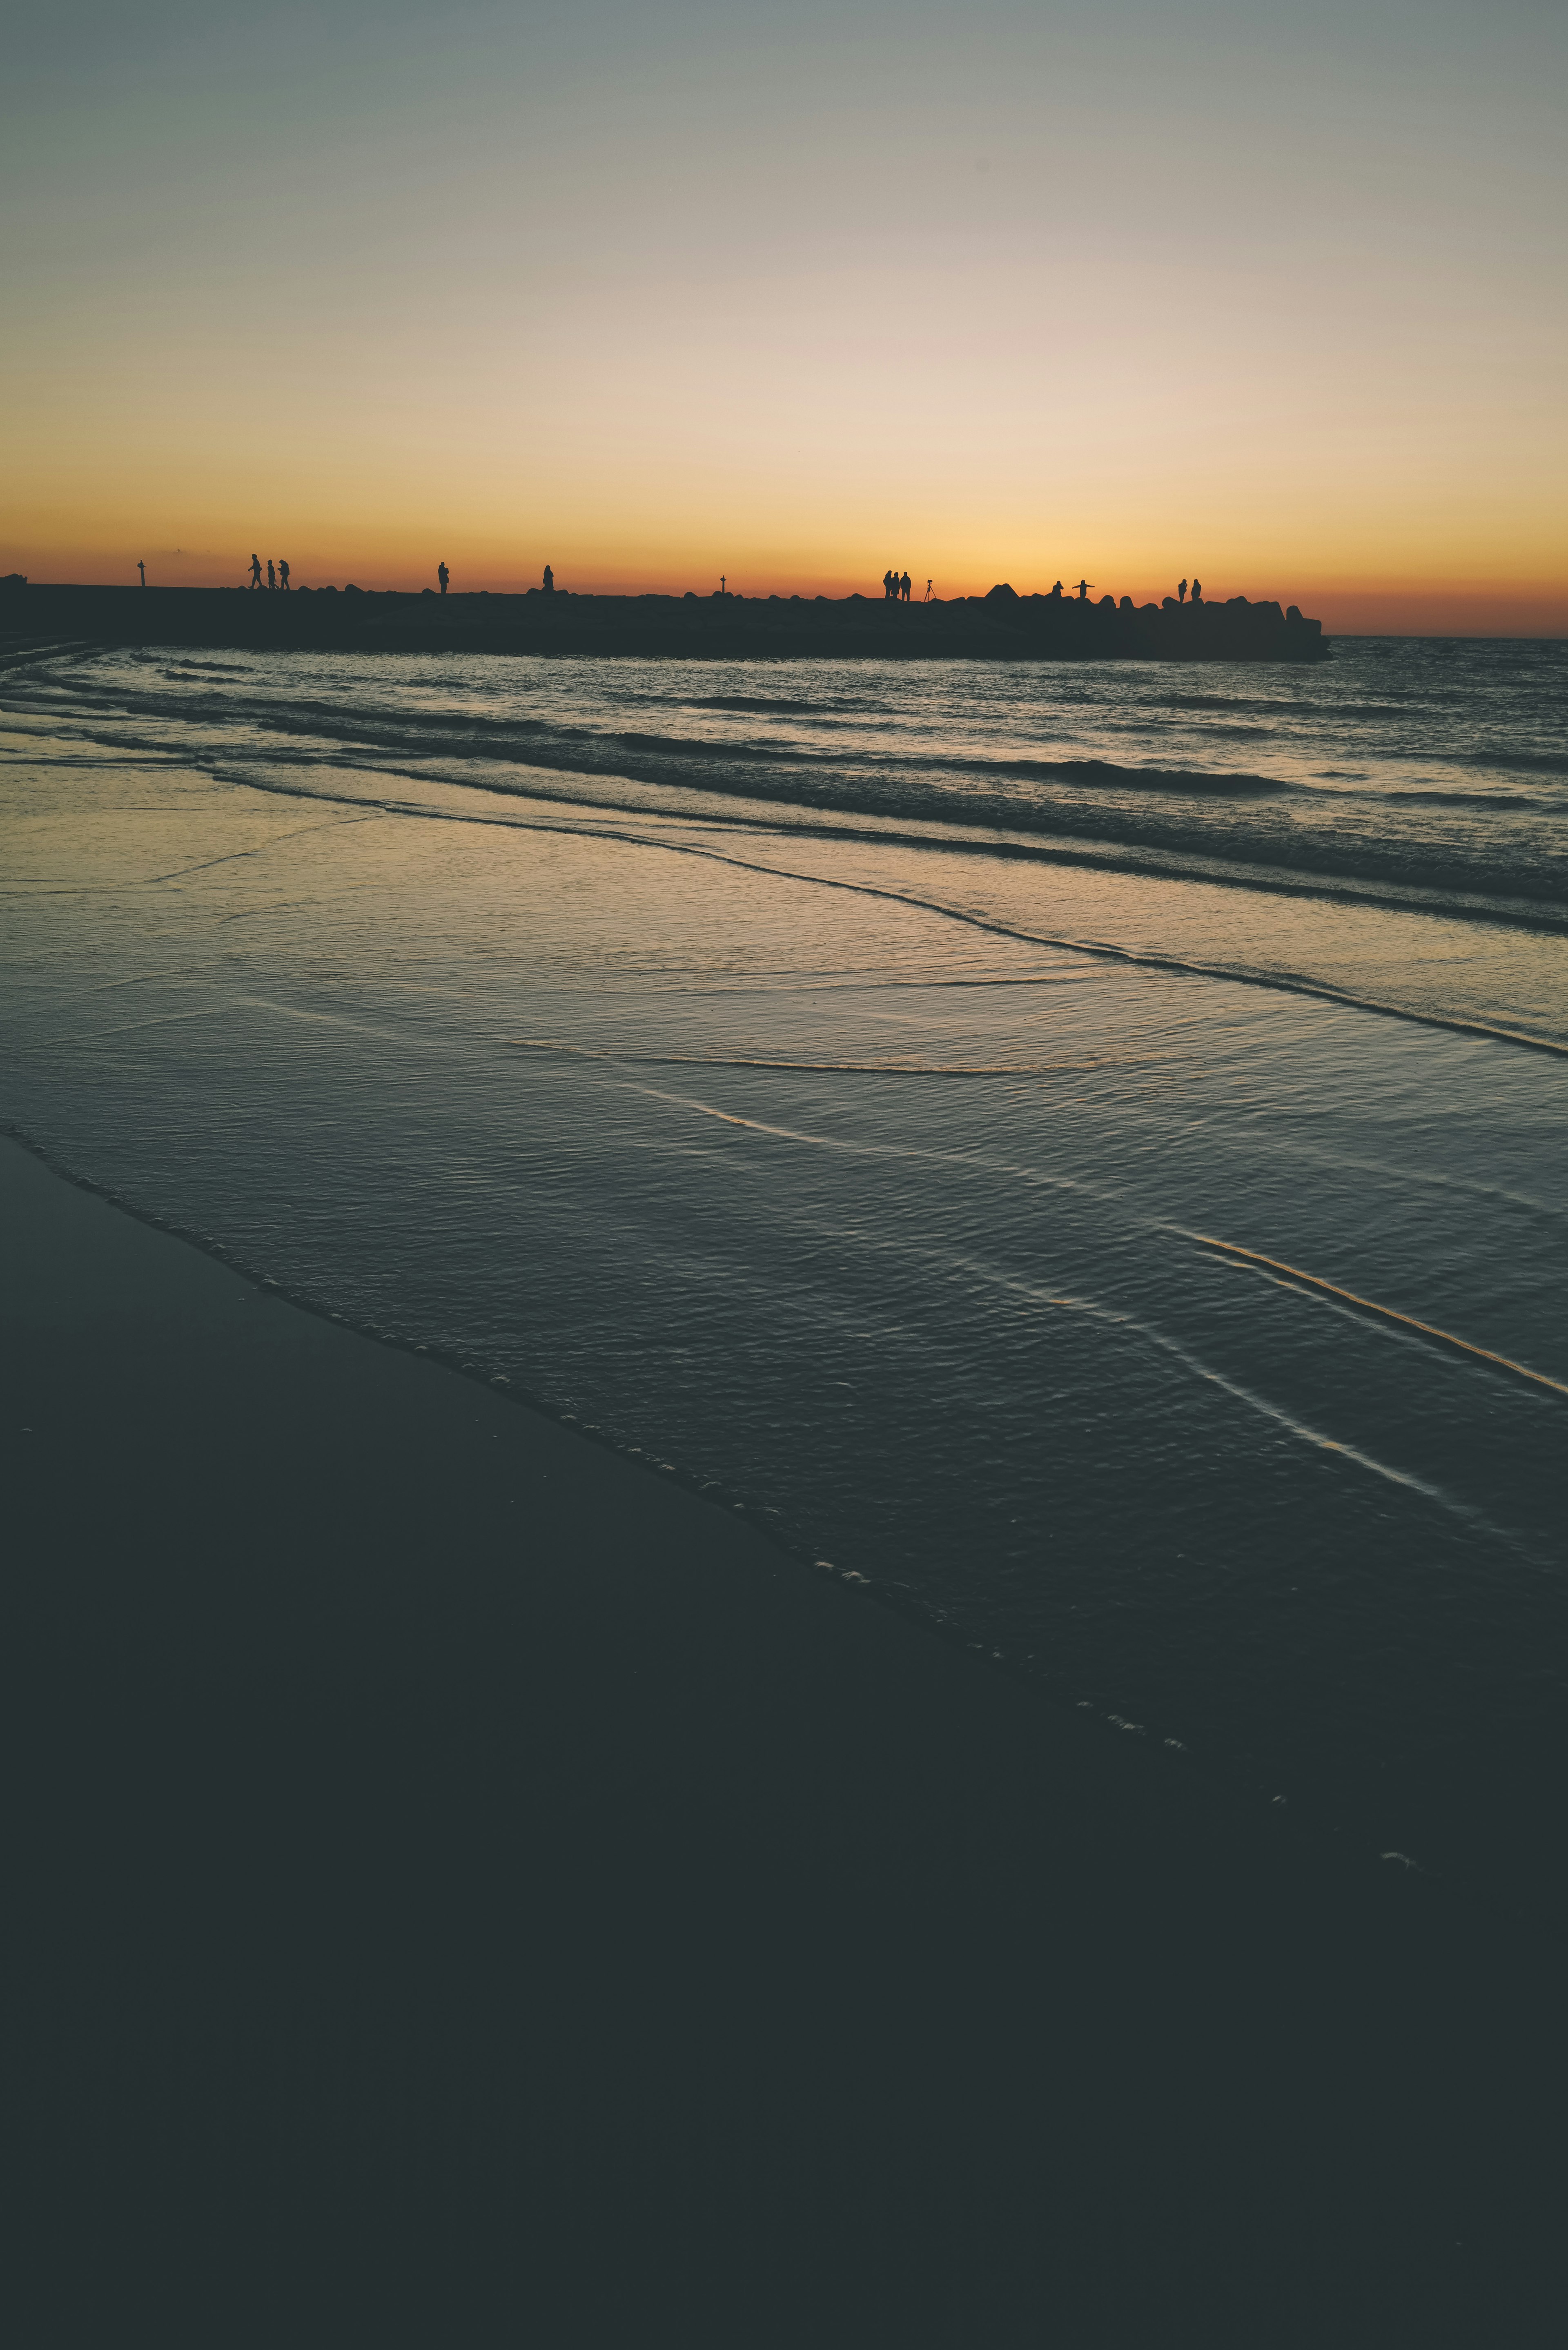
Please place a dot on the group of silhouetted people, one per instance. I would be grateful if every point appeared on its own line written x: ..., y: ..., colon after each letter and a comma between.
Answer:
x: 1084, y: 586
x: 275, y: 577
x: 896, y: 587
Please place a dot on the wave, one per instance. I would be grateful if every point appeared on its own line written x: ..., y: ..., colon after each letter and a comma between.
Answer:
x: 1229, y: 1251
x: 751, y: 702
x: 1282, y: 981
x: 1377, y: 843
x: 1519, y: 762
x: 552, y: 1047
x: 1096, y: 835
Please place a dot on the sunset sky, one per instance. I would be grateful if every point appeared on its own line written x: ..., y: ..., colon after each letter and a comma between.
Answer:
x: 656, y: 291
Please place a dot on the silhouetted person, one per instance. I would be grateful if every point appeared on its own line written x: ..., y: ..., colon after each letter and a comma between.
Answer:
x: 1084, y: 587
x: 443, y: 575
x: 142, y: 568
x: 1182, y: 593
x: 1197, y: 591
x: 255, y: 571
x: 886, y: 587
x: 907, y: 585
x: 1056, y: 592
x: 282, y: 575
x: 271, y: 575
x: 549, y: 581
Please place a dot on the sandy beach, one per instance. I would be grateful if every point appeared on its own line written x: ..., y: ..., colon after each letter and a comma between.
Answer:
x: 783, y: 1241
x: 463, y: 1886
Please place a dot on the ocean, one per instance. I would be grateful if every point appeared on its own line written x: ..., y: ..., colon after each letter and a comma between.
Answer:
x: 1075, y: 1150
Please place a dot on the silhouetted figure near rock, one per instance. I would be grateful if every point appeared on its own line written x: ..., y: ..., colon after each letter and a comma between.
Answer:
x: 142, y: 568
x: 886, y: 587
x: 1056, y: 592
x: 549, y: 581
x: 282, y: 575
x: 1181, y: 592
x: 907, y: 584
x: 1084, y: 587
x: 271, y: 575
x: 255, y: 571
x: 443, y: 575
x: 1197, y: 591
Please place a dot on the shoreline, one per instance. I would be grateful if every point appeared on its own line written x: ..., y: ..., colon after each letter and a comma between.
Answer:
x: 465, y: 1879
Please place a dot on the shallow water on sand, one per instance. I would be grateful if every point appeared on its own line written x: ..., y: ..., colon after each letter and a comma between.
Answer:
x: 1122, y: 1219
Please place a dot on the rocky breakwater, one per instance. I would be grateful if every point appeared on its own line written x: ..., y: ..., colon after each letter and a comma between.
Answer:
x: 1070, y: 627
x: 998, y: 626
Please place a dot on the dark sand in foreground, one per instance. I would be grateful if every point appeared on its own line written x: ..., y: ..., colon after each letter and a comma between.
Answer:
x: 461, y: 1888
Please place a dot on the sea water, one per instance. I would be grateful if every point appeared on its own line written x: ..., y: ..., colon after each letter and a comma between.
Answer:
x: 1077, y: 1149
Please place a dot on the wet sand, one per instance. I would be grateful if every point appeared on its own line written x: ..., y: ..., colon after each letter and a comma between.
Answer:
x: 464, y: 1887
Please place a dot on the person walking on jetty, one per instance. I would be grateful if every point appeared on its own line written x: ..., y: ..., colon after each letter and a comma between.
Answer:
x: 255, y: 571
x: 282, y: 575
x: 443, y: 575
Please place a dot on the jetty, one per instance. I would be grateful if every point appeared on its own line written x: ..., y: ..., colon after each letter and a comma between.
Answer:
x: 1001, y: 626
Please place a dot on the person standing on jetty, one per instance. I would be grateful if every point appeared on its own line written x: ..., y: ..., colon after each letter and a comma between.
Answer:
x: 886, y: 587
x: 282, y: 575
x: 255, y: 571
x: 443, y: 575
x: 1084, y: 587
x: 905, y: 586
x: 549, y: 581
x: 271, y: 575
x: 1197, y: 591
x: 1181, y: 592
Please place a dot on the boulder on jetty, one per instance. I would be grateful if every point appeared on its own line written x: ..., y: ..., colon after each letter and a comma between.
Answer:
x: 1002, y: 625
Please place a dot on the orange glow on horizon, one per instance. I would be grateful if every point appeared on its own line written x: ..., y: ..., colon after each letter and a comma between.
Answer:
x: 1415, y: 606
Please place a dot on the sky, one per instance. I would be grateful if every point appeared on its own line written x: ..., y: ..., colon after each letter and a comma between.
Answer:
x: 788, y: 292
